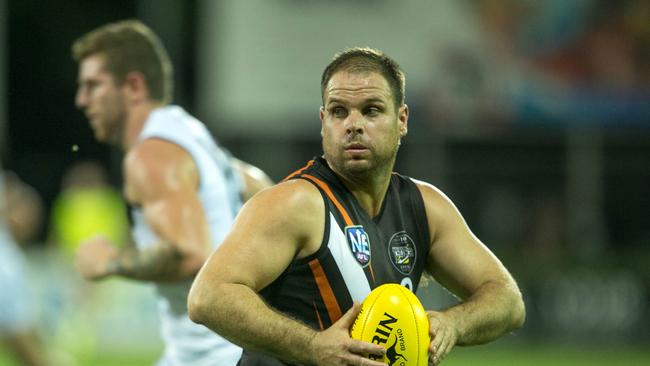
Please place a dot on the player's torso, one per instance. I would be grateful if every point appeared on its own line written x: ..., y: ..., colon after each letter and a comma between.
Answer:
x: 219, y: 185
x: 358, y: 253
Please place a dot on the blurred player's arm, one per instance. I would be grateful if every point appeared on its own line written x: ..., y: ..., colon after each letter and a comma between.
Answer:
x: 24, y: 209
x: 253, y: 177
x: 276, y: 226
x: 163, y: 179
x: 491, y: 303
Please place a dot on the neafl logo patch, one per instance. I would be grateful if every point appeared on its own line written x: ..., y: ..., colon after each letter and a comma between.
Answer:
x: 402, y: 252
x: 359, y: 243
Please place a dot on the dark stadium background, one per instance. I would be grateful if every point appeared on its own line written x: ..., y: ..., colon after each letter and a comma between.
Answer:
x: 574, y: 187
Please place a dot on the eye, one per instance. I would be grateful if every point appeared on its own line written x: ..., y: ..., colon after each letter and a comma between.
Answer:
x: 88, y: 86
x: 372, y: 111
x: 338, y: 112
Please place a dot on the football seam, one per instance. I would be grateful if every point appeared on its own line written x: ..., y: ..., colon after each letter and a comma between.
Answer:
x: 367, y: 318
x: 417, y: 326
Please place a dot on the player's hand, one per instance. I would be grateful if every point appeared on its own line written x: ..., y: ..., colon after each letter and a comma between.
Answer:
x: 443, y: 335
x: 93, y: 257
x: 333, y: 346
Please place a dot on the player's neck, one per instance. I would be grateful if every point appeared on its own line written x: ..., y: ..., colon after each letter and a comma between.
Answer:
x: 136, y: 119
x: 370, y: 190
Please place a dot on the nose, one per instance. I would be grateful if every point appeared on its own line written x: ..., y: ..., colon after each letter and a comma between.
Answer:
x: 80, y: 99
x: 355, y: 123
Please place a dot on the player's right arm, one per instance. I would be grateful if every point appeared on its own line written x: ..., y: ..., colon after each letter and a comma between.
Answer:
x: 275, y: 227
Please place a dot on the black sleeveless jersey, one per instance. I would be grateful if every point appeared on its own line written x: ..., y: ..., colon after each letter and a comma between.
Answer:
x: 358, y: 253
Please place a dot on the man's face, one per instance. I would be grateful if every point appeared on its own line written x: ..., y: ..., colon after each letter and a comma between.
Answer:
x: 101, y: 100
x: 361, y: 128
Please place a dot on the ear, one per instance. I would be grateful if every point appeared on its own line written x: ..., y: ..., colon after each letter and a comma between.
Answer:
x: 321, y: 114
x: 136, y: 86
x: 403, y: 118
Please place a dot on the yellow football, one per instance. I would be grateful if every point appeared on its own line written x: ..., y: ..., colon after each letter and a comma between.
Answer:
x: 393, y: 317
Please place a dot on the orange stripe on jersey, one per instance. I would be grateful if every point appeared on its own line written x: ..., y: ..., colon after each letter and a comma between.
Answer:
x: 299, y: 170
x: 325, y: 289
x: 320, y: 321
x: 372, y: 273
x: 328, y: 192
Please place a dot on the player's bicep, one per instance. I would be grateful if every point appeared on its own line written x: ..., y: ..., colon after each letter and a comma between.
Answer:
x: 253, y: 254
x: 179, y: 220
x: 162, y: 178
x: 269, y: 232
x: 457, y: 258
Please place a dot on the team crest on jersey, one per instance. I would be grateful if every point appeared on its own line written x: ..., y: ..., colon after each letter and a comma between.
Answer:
x: 402, y: 252
x: 359, y: 243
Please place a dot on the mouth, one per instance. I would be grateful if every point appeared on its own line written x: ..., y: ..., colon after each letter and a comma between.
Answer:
x: 357, y: 151
x: 355, y: 147
x: 92, y: 121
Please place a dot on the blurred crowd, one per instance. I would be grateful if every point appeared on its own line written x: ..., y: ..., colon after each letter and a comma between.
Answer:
x: 574, y: 62
x: 579, y: 69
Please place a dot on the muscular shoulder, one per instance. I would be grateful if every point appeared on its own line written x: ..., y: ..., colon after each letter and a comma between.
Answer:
x: 290, y: 199
x: 438, y: 206
x: 294, y: 207
x: 156, y: 166
x: 431, y: 194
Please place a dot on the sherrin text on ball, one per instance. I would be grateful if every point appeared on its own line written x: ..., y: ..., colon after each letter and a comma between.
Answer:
x: 393, y: 317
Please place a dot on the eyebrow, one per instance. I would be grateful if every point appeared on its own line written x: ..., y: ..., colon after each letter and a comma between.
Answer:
x: 81, y: 81
x: 365, y: 101
x: 375, y: 100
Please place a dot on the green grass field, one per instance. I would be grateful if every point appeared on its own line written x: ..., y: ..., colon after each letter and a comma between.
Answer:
x: 496, y: 354
x: 531, y: 355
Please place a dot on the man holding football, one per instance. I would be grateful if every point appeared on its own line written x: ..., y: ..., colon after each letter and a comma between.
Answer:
x: 287, y: 281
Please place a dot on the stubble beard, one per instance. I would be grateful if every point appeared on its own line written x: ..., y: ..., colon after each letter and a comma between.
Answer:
x: 111, y: 133
x: 357, y: 169
x: 116, y: 129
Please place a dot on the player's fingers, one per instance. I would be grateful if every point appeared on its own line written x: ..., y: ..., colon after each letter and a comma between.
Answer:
x: 439, y: 346
x: 348, y: 318
x: 432, y: 351
x: 362, y: 361
x: 366, y: 348
x: 434, y: 324
x: 436, y: 341
x: 434, y: 329
x: 448, y: 347
x: 431, y: 360
x: 442, y: 351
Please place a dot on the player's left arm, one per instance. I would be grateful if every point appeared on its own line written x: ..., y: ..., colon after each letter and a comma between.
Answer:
x: 491, y: 303
x: 162, y: 178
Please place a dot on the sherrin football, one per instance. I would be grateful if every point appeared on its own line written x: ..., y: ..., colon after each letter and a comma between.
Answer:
x: 393, y: 317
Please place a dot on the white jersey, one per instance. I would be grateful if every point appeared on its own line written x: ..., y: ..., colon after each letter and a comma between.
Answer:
x: 187, y: 343
x: 15, y: 302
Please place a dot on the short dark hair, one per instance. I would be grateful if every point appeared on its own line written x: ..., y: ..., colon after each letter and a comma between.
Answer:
x: 130, y: 46
x: 365, y: 59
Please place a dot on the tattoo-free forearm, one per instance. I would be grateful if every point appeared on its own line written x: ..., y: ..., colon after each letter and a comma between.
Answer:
x: 239, y: 314
x: 495, y: 309
x: 160, y: 262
